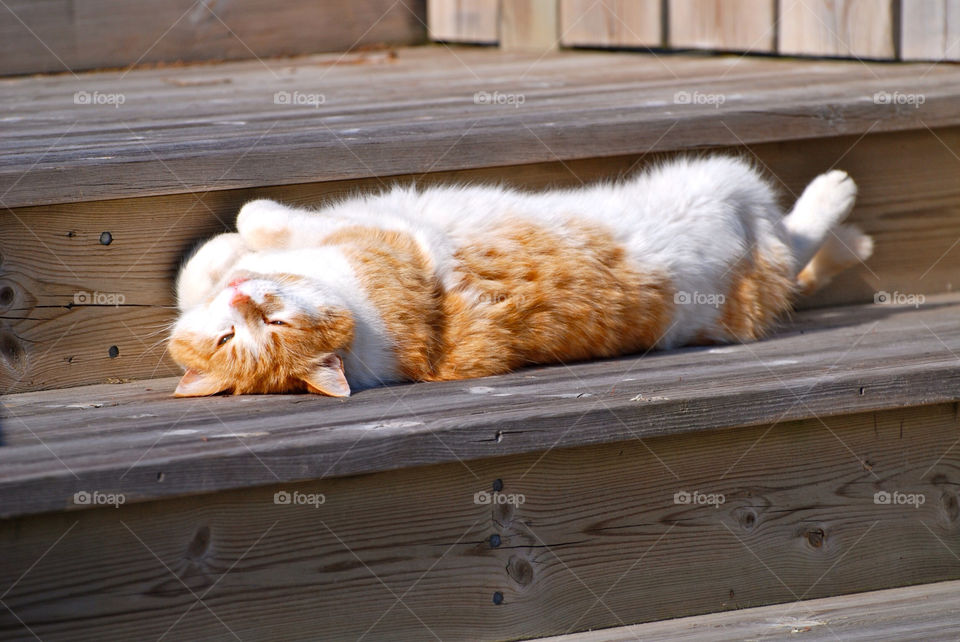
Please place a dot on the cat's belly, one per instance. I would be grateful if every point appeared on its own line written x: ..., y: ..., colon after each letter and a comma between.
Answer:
x: 526, y: 294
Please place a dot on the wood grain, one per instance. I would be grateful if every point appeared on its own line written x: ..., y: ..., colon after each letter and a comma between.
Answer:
x: 798, y: 518
x: 611, y: 23
x: 930, y: 30
x: 925, y: 612
x: 60, y: 35
x: 240, y: 125
x: 909, y: 201
x: 830, y: 361
x: 857, y: 28
x: 529, y: 25
x: 464, y: 20
x: 738, y: 25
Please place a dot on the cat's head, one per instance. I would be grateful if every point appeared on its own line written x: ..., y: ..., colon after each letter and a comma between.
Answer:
x: 263, y: 334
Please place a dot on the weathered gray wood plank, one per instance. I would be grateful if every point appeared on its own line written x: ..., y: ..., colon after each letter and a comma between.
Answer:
x: 427, y: 109
x: 924, y: 612
x: 59, y: 36
x: 831, y: 361
x: 600, y: 539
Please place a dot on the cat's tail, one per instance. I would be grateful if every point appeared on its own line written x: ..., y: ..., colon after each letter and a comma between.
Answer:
x: 822, y: 247
x: 846, y: 245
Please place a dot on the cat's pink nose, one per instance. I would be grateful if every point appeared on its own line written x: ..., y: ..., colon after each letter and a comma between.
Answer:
x: 237, y: 281
x: 239, y: 299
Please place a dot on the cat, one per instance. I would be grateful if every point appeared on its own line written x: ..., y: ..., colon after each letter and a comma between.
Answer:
x: 458, y: 282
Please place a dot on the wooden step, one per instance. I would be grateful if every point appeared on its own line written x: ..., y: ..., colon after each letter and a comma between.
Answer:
x: 552, y: 500
x: 925, y: 612
x: 48, y: 36
x: 107, y: 199
x: 851, y: 359
x: 426, y: 109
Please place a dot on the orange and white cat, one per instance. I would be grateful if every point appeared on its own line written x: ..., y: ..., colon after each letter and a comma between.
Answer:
x: 458, y: 282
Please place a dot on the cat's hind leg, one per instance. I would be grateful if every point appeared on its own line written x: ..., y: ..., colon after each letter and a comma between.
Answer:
x: 824, y: 204
x: 206, y: 267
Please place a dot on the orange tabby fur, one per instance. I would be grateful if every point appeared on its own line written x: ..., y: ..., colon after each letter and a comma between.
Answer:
x: 529, y: 295
x: 525, y: 295
x: 402, y: 288
x: 760, y: 291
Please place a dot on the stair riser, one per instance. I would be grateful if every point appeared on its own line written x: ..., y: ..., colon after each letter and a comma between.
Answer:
x: 51, y: 255
x: 799, y: 519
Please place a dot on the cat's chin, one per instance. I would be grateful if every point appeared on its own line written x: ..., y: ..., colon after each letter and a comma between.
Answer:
x: 197, y: 384
x: 326, y: 378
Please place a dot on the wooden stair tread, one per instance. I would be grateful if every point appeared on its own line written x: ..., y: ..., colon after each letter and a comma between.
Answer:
x: 217, y: 127
x: 923, y: 612
x: 128, y: 437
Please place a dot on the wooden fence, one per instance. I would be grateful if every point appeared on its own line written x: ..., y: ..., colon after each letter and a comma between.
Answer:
x: 874, y: 29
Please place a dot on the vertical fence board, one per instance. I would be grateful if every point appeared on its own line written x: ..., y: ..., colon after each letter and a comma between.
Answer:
x: 529, y: 24
x: 611, y: 23
x: 860, y: 28
x: 930, y: 30
x: 738, y: 25
x: 463, y: 20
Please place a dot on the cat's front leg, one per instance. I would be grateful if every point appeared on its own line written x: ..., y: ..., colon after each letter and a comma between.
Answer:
x: 208, y: 265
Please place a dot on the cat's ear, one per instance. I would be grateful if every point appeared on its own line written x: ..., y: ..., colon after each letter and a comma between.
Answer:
x: 198, y: 384
x: 328, y: 378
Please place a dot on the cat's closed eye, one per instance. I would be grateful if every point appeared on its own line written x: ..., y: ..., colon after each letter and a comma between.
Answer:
x: 222, y: 340
x: 276, y: 322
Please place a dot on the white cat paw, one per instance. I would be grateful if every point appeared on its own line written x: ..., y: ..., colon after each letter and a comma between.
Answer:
x: 218, y: 254
x: 264, y: 224
x: 834, y: 194
x: 207, y: 266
